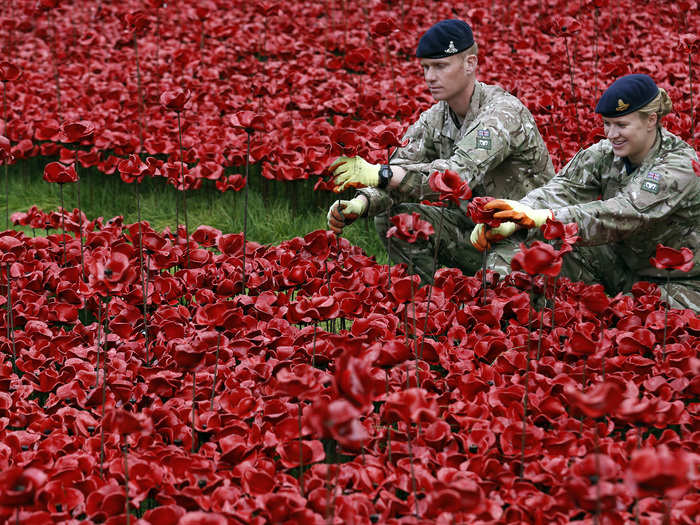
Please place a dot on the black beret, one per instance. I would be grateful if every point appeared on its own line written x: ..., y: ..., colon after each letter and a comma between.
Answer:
x: 627, y: 94
x: 444, y: 39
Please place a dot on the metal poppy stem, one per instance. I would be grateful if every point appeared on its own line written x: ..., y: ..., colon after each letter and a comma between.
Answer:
x: 663, y: 347
x: 388, y: 436
x: 184, y: 197
x: 99, y: 343
x: 301, y: 454
x: 413, y: 473
x: 138, y: 87
x: 430, y: 286
x: 413, y: 302
x: 692, y: 107
x: 484, y: 264
x: 7, y: 180
x: 245, y: 208
x: 194, y: 389
x: 573, y: 91
x: 144, y: 287
x: 525, y: 397
x: 126, y: 478
x: 80, y: 223
x: 216, y: 363
x: 63, y: 221
x: 104, y: 390
x: 10, y: 328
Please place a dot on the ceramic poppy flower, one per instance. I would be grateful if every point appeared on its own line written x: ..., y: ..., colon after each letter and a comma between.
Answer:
x: 671, y: 259
x: 601, y: 399
x: 59, y: 173
x: 538, y: 258
x: 450, y: 186
x: 410, y: 227
x: 175, y: 99
x: 9, y: 72
x: 567, y: 233
x: 137, y: 21
x: 250, y: 121
x: 132, y: 169
x: 76, y: 131
x: 475, y: 210
x: 660, y: 471
x: 5, y: 150
x: 19, y: 486
x: 385, y: 136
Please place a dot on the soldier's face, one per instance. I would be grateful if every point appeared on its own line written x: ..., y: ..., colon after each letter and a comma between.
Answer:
x: 631, y: 135
x: 449, y: 76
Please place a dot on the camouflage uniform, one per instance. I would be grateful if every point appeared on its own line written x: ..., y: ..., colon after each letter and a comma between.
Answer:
x: 623, y: 216
x: 497, y: 150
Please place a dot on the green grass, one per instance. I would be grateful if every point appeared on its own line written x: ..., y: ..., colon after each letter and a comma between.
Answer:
x: 277, y: 210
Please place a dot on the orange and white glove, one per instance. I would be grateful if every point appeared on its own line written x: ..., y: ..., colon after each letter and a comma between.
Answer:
x: 481, y: 237
x: 519, y: 213
x: 342, y: 213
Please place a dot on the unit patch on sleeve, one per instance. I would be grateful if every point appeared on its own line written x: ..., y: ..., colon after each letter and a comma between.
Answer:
x: 651, y: 182
x: 483, y: 139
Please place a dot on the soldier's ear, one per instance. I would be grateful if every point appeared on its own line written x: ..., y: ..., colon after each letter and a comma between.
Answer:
x: 652, y: 120
x: 470, y: 62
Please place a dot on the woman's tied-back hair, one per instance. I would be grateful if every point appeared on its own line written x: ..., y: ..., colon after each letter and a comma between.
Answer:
x: 661, y: 105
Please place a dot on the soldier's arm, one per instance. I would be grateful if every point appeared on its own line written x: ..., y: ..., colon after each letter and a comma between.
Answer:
x: 578, y: 181
x: 417, y: 153
x: 490, y: 139
x: 651, y: 197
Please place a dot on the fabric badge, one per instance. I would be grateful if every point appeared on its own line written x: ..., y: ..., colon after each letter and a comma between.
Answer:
x: 483, y: 139
x: 651, y: 182
x: 650, y: 186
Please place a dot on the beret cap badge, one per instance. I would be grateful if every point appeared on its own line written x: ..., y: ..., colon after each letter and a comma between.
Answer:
x: 451, y: 49
x: 621, y: 105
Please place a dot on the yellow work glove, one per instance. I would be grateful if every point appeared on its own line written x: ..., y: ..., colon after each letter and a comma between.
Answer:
x: 354, y: 172
x: 518, y: 213
x: 342, y: 213
x: 481, y: 238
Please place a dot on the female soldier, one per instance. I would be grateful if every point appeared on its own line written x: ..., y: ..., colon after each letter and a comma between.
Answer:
x: 627, y: 193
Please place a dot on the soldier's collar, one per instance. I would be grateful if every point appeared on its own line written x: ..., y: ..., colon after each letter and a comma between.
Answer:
x: 476, y: 101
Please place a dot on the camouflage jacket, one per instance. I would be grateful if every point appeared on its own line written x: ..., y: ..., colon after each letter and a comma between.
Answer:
x: 659, y: 202
x: 497, y: 150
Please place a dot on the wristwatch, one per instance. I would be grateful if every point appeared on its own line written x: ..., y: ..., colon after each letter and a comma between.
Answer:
x: 385, y: 175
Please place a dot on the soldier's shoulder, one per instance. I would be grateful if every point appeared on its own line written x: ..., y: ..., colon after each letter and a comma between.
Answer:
x: 674, y: 147
x: 496, y: 95
x: 435, y: 114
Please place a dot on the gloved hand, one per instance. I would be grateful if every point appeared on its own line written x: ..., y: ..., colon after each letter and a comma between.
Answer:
x: 481, y: 238
x: 342, y: 213
x: 519, y: 213
x: 354, y: 172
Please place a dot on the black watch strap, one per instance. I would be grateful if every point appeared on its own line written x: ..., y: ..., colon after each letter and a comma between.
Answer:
x: 385, y: 174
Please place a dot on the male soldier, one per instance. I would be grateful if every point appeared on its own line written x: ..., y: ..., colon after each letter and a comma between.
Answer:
x: 628, y: 193
x: 480, y: 131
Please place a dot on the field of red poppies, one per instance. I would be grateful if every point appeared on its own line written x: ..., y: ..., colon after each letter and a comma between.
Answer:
x: 177, y: 376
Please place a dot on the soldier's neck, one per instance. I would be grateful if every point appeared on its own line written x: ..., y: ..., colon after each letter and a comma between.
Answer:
x: 460, y: 103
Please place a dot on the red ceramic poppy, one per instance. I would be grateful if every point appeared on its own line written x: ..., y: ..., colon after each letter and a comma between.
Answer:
x: 175, y: 99
x: 671, y: 259
x: 410, y: 227
x: 76, y: 131
x: 450, y: 186
x: 57, y: 172
x: 475, y: 210
x: 538, y: 258
x: 9, y: 72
